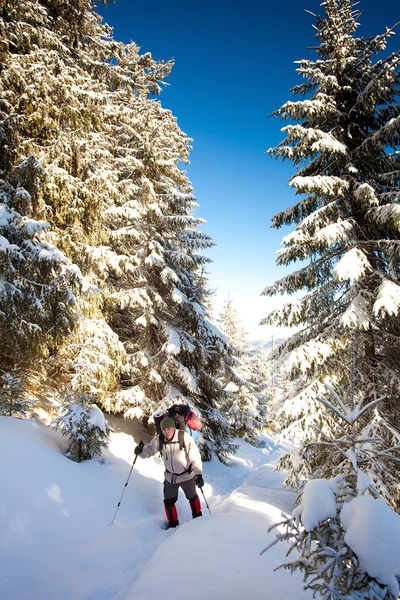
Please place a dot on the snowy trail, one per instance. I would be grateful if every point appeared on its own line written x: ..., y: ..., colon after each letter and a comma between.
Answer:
x: 56, y: 542
x: 223, y: 561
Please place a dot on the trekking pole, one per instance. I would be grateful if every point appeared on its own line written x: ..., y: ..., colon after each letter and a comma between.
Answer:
x: 201, y: 489
x: 123, y: 492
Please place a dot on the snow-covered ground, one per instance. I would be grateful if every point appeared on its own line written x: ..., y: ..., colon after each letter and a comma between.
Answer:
x: 56, y: 541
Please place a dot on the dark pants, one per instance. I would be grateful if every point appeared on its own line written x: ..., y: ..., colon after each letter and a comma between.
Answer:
x: 171, y: 491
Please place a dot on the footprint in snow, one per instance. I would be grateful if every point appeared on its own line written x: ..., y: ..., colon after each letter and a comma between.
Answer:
x: 148, y: 530
x: 103, y: 592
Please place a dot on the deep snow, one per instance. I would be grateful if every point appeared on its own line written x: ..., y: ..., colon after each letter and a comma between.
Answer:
x: 56, y: 541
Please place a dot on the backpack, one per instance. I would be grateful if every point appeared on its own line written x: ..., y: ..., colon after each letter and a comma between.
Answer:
x: 184, y: 418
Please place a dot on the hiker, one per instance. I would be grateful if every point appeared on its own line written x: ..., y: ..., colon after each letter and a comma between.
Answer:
x: 182, y: 464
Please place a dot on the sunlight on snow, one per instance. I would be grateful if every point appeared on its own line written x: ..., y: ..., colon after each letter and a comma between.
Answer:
x: 272, y: 514
x: 122, y: 445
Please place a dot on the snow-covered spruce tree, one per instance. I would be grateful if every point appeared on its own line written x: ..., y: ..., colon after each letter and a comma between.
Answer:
x: 247, y: 399
x: 117, y: 204
x: 344, y: 143
x: 13, y: 397
x: 56, y: 157
x: 95, y: 357
x: 157, y: 290
x: 84, y: 424
x: 37, y: 301
x: 175, y: 354
x: 342, y: 524
x: 378, y: 439
x: 276, y: 387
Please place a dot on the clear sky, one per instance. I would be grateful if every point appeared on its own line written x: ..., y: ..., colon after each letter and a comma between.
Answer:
x: 233, y: 68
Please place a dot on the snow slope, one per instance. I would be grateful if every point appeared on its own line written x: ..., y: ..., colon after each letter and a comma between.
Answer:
x: 56, y: 542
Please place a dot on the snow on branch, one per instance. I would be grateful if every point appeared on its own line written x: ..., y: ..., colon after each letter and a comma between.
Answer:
x: 308, y: 108
x: 184, y: 375
x: 291, y: 313
x: 357, y: 314
x: 377, y: 545
x: 318, y: 503
x: 213, y: 331
x: 352, y: 266
x: 388, y: 134
x: 316, y: 139
x: 388, y: 215
x: 333, y: 233
x: 31, y: 226
x: 388, y: 299
x: 322, y: 184
x: 173, y: 345
x: 168, y: 275
x: 365, y: 193
x: 177, y: 296
x: 321, y: 216
x: 154, y: 259
x: 306, y: 356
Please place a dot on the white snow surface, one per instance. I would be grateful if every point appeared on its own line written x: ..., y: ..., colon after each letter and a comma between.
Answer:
x: 378, y: 545
x: 56, y: 541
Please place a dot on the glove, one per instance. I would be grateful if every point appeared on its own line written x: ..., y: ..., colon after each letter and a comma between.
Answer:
x: 199, y: 480
x: 139, y: 448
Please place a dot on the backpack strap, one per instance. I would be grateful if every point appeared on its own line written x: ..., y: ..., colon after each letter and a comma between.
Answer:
x: 160, y: 442
x: 182, y: 446
x: 181, y: 441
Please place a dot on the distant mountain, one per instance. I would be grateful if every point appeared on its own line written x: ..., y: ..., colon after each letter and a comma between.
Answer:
x: 267, y: 345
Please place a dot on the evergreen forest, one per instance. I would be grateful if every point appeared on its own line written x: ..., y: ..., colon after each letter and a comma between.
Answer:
x: 105, y: 304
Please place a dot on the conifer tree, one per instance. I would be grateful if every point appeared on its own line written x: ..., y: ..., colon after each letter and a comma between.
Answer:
x: 342, y: 519
x: 60, y: 160
x: 84, y: 424
x: 246, y: 412
x: 13, y: 397
x: 115, y: 209
x: 344, y: 144
x: 37, y: 300
x: 278, y: 390
x: 175, y: 354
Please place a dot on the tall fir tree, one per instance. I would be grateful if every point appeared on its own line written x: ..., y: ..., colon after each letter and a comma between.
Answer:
x: 344, y: 142
x: 113, y: 213
x: 247, y: 404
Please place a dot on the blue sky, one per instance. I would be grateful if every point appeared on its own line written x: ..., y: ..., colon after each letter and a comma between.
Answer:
x: 233, y: 68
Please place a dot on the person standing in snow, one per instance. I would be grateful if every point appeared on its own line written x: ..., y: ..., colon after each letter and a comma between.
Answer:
x: 183, y: 467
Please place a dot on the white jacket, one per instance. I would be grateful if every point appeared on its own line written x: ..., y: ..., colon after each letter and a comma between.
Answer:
x: 180, y: 465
